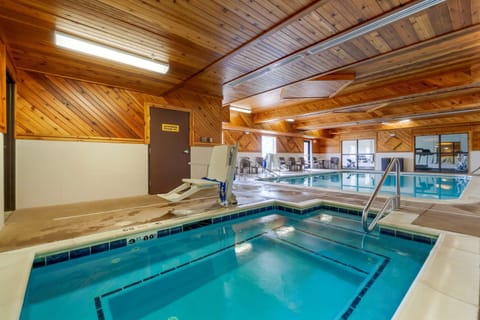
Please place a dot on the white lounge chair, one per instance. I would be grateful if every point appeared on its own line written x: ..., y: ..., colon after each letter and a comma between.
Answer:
x: 220, y: 172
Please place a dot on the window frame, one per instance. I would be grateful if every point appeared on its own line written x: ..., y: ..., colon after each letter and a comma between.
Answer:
x: 357, y: 155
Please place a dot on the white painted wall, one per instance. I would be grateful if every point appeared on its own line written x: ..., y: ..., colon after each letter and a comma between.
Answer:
x: 57, y: 172
x: 474, y: 160
x: 2, y: 194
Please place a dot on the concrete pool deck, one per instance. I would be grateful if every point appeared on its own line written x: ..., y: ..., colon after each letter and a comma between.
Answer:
x: 447, y: 287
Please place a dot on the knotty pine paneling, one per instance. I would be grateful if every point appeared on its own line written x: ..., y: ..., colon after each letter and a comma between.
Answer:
x: 55, y: 108
x: 206, y: 113
x: 3, y: 88
x: 241, y: 119
x: 333, y: 145
x: 51, y: 107
x: 247, y: 142
x: 395, y: 141
x: 289, y: 144
x: 475, y: 137
x: 252, y: 141
x: 353, y: 135
x: 319, y: 146
x: 327, y: 145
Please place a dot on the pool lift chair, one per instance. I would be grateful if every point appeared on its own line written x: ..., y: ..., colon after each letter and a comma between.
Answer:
x: 220, y: 173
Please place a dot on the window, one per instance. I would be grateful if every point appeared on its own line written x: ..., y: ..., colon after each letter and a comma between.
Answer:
x: 269, y: 145
x: 445, y: 152
x: 307, y: 151
x: 358, y: 154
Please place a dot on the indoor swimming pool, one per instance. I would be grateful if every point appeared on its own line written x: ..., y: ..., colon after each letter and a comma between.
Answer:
x: 269, y: 263
x: 431, y: 186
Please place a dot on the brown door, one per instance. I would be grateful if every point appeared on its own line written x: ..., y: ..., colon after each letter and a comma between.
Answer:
x: 169, y: 150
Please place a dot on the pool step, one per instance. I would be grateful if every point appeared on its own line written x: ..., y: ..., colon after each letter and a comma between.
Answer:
x: 344, y: 230
x: 354, y: 258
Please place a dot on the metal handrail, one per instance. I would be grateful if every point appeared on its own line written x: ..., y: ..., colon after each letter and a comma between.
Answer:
x: 395, y: 200
x: 474, y: 171
x: 271, y: 172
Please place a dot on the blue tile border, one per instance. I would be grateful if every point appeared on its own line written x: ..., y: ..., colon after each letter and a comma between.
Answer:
x: 58, y: 257
x: 76, y: 253
x: 408, y: 235
x: 358, y: 298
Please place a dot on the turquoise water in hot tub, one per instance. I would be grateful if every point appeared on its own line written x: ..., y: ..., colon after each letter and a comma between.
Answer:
x: 442, y: 187
x: 267, y: 267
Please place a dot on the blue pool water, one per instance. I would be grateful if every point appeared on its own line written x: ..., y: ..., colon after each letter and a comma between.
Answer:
x: 272, y: 265
x: 413, y: 185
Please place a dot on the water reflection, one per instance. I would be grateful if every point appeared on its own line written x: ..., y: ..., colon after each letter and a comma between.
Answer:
x: 418, y: 186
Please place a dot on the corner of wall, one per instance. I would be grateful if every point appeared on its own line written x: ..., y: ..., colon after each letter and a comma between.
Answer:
x: 2, y: 200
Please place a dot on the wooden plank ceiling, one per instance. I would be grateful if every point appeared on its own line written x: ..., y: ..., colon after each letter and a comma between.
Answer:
x: 270, y: 56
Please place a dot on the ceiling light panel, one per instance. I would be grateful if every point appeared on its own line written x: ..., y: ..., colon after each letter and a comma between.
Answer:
x: 91, y: 48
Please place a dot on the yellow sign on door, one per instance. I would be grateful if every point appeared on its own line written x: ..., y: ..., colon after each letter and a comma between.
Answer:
x: 170, y: 127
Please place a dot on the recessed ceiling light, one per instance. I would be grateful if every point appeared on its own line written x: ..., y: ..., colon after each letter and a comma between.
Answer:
x: 84, y: 46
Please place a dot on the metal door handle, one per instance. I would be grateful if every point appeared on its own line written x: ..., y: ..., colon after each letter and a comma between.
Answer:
x: 186, y: 151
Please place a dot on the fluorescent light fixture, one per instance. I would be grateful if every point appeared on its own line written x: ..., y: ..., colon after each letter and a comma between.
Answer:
x: 404, y: 121
x: 290, y: 120
x: 247, y: 77
x: 375, y: 24
x: 84, y: 46
x: 240, y: 109
x: 290, y: 59
x: 343, y: 37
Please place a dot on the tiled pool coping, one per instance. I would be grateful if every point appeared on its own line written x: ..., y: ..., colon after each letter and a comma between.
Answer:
x: 74, y: 253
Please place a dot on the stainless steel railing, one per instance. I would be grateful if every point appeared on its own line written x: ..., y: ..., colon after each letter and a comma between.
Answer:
x: 394, y: 201
x: 474, y: 172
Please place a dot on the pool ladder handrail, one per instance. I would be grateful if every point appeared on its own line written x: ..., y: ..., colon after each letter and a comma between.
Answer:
x: 395, y: 200
x: 271, y: 172
x: 474, y: 172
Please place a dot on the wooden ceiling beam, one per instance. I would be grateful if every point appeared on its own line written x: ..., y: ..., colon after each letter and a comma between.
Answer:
x: 407, y: 60
x: 449, y: 121
x: 227, y: 126
x: 422, y: 84
x: 224, y: 61
x: 469, y: 101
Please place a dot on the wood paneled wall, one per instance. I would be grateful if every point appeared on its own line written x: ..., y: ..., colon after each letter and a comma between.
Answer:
x: 327, y: 145
x: 289, y: 144
x: 247, y: 142
x: 289, y: 140
x: 252, y: 141
x: 3, y: 87
x: 56, y: 108
x: 206, y: 112
x: 395, y: 141
x: 246, y: 120
x: 475, y: 140
x: 398, y: 140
